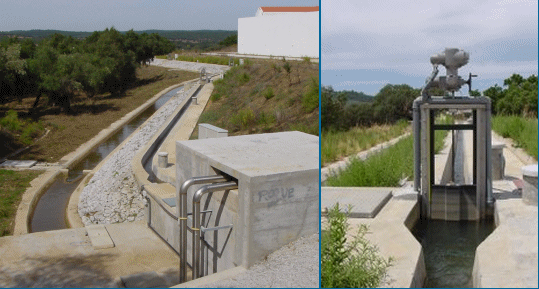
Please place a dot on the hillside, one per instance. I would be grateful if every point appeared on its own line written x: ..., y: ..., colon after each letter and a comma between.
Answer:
x: 356, y: 97
x: 262, y: 96
x: 194, y: 35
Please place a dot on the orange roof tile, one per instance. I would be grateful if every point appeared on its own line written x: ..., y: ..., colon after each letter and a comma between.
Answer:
x: 290, y: 9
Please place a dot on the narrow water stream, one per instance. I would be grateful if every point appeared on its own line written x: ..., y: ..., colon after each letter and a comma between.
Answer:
x: 449, y: 250
x: 50, y: 211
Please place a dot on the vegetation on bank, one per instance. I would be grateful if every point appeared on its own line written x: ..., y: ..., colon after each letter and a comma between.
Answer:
x: 339, y: 144
x: 387, y: 168
x: 349, y: 263
x: 265, y: 95
x: 12, y: 185
x: 87, y: 117
x: 59, y: 67
x: 523, y: 130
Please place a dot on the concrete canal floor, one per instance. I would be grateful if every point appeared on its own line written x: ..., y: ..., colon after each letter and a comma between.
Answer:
x: 72, y: 258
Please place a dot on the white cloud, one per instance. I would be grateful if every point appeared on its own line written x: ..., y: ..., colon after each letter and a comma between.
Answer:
x: 399, y: 36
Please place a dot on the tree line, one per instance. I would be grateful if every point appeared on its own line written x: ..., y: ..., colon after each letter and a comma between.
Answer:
x: 393, y: 102
x: 61, y: 66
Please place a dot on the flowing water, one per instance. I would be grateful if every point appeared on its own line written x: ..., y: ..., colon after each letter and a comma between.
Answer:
x: 50, y: 211
x: 449, y: 250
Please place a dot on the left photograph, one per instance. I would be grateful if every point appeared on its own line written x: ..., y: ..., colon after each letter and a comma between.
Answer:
x: 159, y: 145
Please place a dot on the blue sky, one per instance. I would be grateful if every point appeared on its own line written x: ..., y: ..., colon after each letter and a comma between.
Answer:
x: 92, y: 15
x: 367, y: 44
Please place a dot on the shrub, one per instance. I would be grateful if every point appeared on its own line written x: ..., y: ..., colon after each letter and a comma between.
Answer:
x: 310, y: 99
x: 243, y: 78
x: 353, y: 264
x: 306, y: 59
x: 215, y: 96
x: 11, y: 121
x: 268, y: 93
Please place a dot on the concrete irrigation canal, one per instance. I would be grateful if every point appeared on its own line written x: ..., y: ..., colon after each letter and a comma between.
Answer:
x: 123, y: 205
x: 50, y: 211
x: 469, y: 218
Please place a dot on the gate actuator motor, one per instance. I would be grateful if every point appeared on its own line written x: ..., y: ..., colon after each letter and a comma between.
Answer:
x: 452, y: 59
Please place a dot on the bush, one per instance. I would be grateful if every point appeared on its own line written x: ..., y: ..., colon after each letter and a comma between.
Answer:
x: 354, y: 264
x: 310, y: 99
x: 11, y: 121
x: 268, y: 93
x: 243, y: 78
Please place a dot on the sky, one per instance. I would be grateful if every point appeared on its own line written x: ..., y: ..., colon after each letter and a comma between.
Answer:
x: 92, y: 15
x: 368, y: 44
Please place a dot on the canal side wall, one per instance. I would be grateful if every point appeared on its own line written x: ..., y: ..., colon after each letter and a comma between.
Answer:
x: 43, y: 182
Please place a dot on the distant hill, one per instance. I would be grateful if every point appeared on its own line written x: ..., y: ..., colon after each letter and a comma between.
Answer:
x: 356, y: 97
x: 194, y: 36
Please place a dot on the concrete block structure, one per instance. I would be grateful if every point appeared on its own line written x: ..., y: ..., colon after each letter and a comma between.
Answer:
x: 277, y: 200
x: 280, y: 31
x: 206, y: 130
x: 529, y: 191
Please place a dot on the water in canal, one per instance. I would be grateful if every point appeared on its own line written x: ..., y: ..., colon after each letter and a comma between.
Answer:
x: 449, y: 250
x: 50, y: 211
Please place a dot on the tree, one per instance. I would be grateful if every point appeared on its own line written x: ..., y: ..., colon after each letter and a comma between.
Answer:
x: 230, y: 40
x: 12, y: 67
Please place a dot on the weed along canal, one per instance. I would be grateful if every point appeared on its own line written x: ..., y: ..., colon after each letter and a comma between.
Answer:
x: 50, y: 211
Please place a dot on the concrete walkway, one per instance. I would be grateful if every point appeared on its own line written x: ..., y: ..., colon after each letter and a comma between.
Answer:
x: 509, y: 256
x: 70, y: 258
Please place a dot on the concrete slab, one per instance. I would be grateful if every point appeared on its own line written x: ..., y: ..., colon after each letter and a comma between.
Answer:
x: 18, y: 164
x: 365, y: 202
x: 66, y: 258
x: 99, y: 237
x: 170, y: 201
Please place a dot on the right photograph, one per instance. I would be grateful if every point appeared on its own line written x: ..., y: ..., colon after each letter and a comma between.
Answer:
x: 428, y: 144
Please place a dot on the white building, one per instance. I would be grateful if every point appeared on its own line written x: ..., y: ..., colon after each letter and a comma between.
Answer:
x: 280, y: 31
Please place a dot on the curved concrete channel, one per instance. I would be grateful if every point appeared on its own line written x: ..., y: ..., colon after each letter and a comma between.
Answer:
x: 49, y: 212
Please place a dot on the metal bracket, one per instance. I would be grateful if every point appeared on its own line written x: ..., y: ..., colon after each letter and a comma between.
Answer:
x: 214, y: 228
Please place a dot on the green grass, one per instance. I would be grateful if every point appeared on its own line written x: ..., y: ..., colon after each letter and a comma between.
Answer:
x: 336, y: 144
x: 384, y: 169
x: 12, y: 186
x: 349, y: 263
x: 257, y: 98
x: 522, y: 130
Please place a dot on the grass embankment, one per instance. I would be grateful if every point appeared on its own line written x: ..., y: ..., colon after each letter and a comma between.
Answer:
x: 87, y: 118
x: 12, y: 186
x: 386, y: 168
x: 337, y: 144
x: 264, y: 96
x: 522, y: 130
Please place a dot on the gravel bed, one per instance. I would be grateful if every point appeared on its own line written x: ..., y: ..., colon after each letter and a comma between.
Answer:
x: 193, y: 66
x: 112, y: 194
x: 294, y: 265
